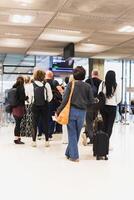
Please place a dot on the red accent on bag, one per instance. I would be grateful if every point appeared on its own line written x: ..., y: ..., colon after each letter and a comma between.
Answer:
x: 18, y: 111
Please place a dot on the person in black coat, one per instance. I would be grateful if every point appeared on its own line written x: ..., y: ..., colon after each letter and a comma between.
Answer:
x: 91, y: 114
x: 19, y: 110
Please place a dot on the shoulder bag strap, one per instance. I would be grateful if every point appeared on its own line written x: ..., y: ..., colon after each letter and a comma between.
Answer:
x: 102, y: 85
x: 46, y: 93
x: 71, y: 92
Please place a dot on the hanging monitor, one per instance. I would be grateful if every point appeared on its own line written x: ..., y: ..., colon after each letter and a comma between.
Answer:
x: 68, y: 51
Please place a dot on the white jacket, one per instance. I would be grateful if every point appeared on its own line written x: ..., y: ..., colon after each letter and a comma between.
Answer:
x: 29, y: 91
x: 115, y: 99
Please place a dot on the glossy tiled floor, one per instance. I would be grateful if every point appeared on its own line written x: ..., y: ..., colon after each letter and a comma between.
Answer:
x: 41, y: 173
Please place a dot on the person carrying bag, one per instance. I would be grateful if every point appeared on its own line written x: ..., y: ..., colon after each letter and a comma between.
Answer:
x: 63, y: 117
x: 79, y: 97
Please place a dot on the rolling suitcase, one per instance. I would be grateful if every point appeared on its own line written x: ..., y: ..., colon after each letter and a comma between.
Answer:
x: 100, y: 145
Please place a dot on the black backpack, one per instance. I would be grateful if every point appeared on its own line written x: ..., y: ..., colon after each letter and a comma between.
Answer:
x: 39, y: 97
x: 102, y: 100
x: 12, y: 97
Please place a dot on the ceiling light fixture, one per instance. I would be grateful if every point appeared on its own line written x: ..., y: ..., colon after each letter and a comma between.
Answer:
x: 13, y: 34
x: 24, y: 1
x: 24, y: 4
x: 24, y: 19
x: 126, y: 29
x: 86, y: 47
x: 61, y: 38
x: 68, y: 31
x: 10, y: 42
x: 43, y: 53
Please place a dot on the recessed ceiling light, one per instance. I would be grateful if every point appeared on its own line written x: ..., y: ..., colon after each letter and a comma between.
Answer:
x: 24, y: 1
x: 68, y: 31
x: 10, y: 42
x: 24, y: 4
x: 62, y: 38
x: 13, y: 34
x: 126, y: 29
x: 24, y: 19
x: 62, y: 35
x: 43, y: 53
x: 86, y: 47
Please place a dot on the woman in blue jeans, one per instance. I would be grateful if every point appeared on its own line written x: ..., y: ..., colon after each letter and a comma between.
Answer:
x: 82, y: 96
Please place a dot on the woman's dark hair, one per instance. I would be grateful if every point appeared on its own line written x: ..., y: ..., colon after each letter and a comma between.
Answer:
x: 19, y: 81
x: 110, y: 82
x: 79, y: 73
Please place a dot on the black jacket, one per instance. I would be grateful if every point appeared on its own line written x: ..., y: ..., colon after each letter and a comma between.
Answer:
x: 94, y: 82
x: 20, y: 95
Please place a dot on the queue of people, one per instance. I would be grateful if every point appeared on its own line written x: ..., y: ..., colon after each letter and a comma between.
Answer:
x: 42, y: 97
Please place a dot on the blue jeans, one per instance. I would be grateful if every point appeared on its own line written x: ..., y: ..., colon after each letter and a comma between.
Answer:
x: 76, y: 120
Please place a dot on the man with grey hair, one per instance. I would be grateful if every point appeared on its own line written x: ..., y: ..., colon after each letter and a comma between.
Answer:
x: 54, y: 104
x: 94, y: 81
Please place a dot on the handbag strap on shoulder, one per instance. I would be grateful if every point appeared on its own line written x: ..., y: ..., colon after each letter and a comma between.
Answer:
x: 103, y: 84
x: 72, y: 89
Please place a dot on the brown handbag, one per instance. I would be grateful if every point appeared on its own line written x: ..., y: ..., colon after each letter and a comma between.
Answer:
x: 63, y: 117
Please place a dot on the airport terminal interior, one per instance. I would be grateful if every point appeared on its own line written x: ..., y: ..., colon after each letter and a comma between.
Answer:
x: 59, y: 35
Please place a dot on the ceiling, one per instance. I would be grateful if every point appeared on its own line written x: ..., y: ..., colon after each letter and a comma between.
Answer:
x: 45, y: 27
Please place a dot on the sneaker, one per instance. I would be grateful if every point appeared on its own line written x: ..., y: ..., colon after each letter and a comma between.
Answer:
x: 18, y: 141
x: 67, y: 157
x: 84, y: 137
x: 39, y: 137
x: 64, y: 142
x: 74, y: 160
x: 47, y: 144
x: 90, y: 142
x: 34, y: 144
x: 51, y: 139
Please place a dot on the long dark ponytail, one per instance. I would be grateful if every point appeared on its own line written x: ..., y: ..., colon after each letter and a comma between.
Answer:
x: 110, y: 82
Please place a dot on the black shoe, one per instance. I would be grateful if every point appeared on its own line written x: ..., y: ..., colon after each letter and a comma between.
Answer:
x: 91, y: 142
x: 18, y: 141
x: 40, y: 134
x: 50, y: 138
x: 67, y: 157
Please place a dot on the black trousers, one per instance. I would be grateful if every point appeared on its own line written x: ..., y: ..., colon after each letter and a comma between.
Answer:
x: 40, y: 115
x: 17, y: 126
x: 108, y: 114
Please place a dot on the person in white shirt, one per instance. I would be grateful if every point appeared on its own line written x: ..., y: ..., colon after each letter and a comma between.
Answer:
x: 113, y: 97
x: 41, y: 94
